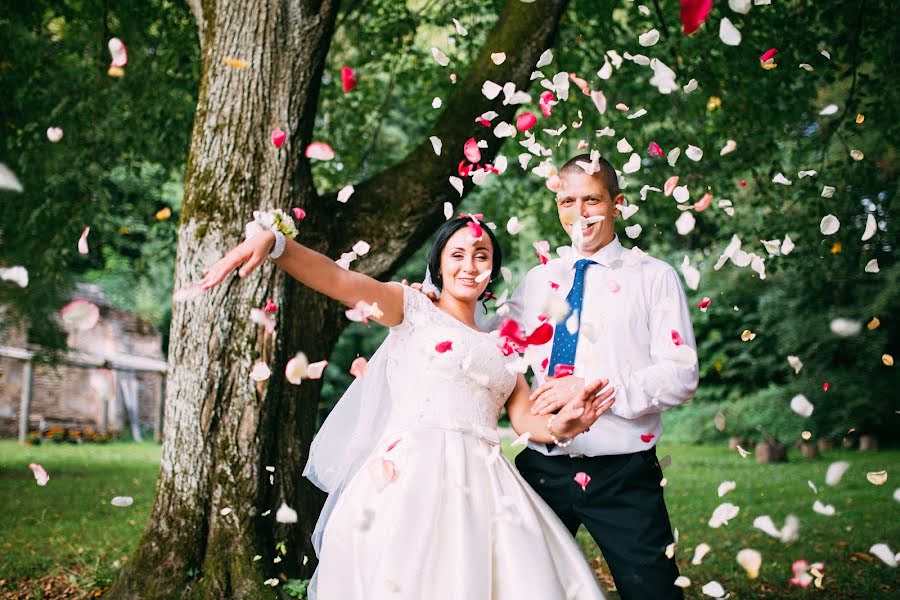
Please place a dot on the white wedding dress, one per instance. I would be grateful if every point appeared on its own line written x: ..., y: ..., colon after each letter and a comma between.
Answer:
x: 437, y: 512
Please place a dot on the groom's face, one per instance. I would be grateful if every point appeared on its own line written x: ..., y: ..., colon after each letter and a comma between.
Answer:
x: 466, y: 265
x: 581, y: 197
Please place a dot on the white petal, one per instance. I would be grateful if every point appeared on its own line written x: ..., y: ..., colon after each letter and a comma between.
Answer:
x: 605, y: 71
x: 122, y: 501
x: 729, y: 147
x: 871, y: 227
x: 18, y: 275
x: 728, y: 33
x: 690, y: 273
x: 845, y: 327
x: 831, y: 109
x: 440, y: 57
x: 286, y: 514
x: 694, y: 153
x: 681, y: 193
x: 722, y: 514
x: 545, y: 59
x: 714, y: 589
x: 835, y: 472
x: 690, y: 86
x: 513, y: 226
x: 8, y: 180
x: 725, y: 487
x: 260, y: 371
x: 633, y: 164
x: 623, y: 146
x: 672, y: 156
x: 739, y: 6
x: 490, y: 89
x: 685, y: 223
x: 780, y: 178
x: 807, y: 173
x: 627, y: 211
x: 54, y: 134
x: 457, y: 184
x: 872, y: 266
x: 498, y: 58
x: 633, y: 231
x: 682, y: 582
x: 828, y: 191
x: 459, y: 28
x: 448, y: 210
x: 649, y: 38
x: 437, y: 102
x: 773, y: 247
x: 504, y: 129
x: 751, y: 560
x: 314, y: 371
x: 345, y: 193
x: 795, y: 363
x: 361, y: 248
x: 787, y: 245
x: 829, y: 225
x: 883, y: 552
x: 637, y: 114
x: 801, y: 405
x: 699, y: 552
x: 823, y: 509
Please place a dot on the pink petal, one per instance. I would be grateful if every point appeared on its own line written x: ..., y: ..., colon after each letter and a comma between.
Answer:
x: 475, y: 230
x: 582, y: 479
x: 80, y: 315
x: 770, y: 53
x: 278, y: 137
x: 553, y: 183
x: 348, y: 78
x: 388, y: 470
x: 613, y: 286
x: 40, y: 475
x: 82, y: 241
x: 670, y: 184
x: 358, y: 367
x: 676, y: 338
x: 704, y: 304
x: 393, y: 445
x: 314, y: 371
x: 319, y: 151
x: 483, y: 121
x: 654, y: 150
x: 581, y: 83
x: 299, y: 213
x: 442, y: 347
x: 703, y: 203
x: 525, y: 121
x: 563, y: 370
x: 472, y: 151
x: 542, y: 334
x: 119, y: 53
x: 646, y: 437
x: 270, y: 306
x: 693, y: 13
x: 825, y: 386
x: 546, y: 103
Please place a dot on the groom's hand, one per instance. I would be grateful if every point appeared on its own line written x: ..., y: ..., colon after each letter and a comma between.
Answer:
x: 555, y: 393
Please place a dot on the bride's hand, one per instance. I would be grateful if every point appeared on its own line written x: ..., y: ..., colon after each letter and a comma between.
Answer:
x: 251, y: 253
x: 578, y: 415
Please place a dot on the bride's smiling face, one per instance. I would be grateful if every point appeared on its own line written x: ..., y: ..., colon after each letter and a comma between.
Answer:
x: 466, y: 265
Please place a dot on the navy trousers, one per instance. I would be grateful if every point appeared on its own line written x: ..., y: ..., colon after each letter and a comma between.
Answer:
x: 623, y: 509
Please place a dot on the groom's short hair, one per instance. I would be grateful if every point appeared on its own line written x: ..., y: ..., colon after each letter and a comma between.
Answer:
x: 605, y: 174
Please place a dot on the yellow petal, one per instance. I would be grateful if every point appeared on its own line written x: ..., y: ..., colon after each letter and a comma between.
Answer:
x: 873, y: 324
x: 236, y: 63
x: 860, y: 118
x: 877, y: 477
x: 836, y: 249
x: 888, y: 360
x: 163, y: 214
x: 115, y: 71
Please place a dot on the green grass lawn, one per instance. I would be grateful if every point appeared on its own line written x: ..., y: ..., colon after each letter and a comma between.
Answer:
x: 70, y: 524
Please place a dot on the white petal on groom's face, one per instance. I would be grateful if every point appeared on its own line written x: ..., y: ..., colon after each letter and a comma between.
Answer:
x: 466, y: 265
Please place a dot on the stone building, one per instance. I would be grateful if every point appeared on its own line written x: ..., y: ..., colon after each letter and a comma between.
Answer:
x: 112, y: 378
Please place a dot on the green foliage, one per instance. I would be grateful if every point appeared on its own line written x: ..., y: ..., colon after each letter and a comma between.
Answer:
x: 295, y: 588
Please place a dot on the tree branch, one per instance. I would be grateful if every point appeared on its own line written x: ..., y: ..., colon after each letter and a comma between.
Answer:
x: 398, y: 209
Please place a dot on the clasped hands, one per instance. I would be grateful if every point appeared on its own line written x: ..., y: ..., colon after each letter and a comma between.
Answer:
x: 579, y: 404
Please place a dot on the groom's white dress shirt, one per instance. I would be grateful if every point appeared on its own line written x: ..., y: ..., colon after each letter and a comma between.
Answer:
x: 631, y: 306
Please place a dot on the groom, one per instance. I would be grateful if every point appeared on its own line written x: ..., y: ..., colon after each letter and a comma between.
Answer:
x: 628, y: 321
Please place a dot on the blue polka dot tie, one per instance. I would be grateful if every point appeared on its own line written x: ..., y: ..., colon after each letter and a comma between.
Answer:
x: 565, y: 343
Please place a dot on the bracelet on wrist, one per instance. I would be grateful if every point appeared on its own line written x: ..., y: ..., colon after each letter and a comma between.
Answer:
x: 278, y: 246
x: 559, y: 443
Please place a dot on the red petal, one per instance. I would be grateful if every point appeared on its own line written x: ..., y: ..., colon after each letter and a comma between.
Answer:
x: 483, y: 121
x: 563, y: 370
x: 278, y: 137
x: 444, y: 347
x: 475, y: 230
x: 768, y: 54
x: 825, y: 386
x: 472, y: 151
x: 541, y: 335
x: 704, y: 303
x: 676, y: 337
x: 646, y: 437
x: 743, y: 183
x: 270, y: 306
x: 693, y: 13
x: 544, y: 363
x: 525, y: 121
x: 299, y: 213
x: 511, y: 329
x: 392, y: 446
x: 654, y: 150
x: 546, y: 103
x: 554, y: 285
x: 348, y: 78
x: 464, y: 169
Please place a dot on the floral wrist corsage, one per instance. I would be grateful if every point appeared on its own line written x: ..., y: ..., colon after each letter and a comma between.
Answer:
x: 273, y: 220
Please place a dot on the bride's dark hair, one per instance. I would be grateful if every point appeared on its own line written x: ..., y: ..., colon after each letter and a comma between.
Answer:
x: 440, y: 240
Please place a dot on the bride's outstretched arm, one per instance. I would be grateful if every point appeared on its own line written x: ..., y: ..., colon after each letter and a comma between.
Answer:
x: 313, y: 270
x: 575, y: 417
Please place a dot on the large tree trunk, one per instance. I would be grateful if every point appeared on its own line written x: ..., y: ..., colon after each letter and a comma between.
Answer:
x: 222, y: 429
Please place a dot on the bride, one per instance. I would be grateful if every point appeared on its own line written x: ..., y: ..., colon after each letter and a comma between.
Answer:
x: 422, y: 504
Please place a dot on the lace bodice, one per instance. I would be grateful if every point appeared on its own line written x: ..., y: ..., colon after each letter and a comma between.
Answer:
x: 465, y: 385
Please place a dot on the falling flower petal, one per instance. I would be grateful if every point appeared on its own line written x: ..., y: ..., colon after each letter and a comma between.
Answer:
x: 457, y: 184
x: 781, y: 179
x: 439, y: 57
x: 751, y: 560
x: 739, y: 6
x: 801, y: 405
x: 8, y: 180
x: 118, y: 52
x: 319, y: 151
x: 845, y: 327
x: 582, y: 479
x: 823, y: 509
x: 513, y: 226
x: 670, y: 185
x: 871, y: 227
x: 442, y: 347
x: 633, y: 164
x: 471, y: 151
x: 728, y: 33
x: 296, y: 369
x: 40, y: 474
x: 647, y: 437
x: 725, y: 487
x: 884, y: 552
x: 122, y: 501
x: 236, y: 63
x: 857, y: 154
x: 348, y: 79
x: 82, y: 241
x: 694, y: 153
x: 835, y: 472
x: 54, y: 134
x: 498, y: 58
x: 345, y: 193
x: 633, y: 231
x: 460, y: 30
x: 545, y: 59
x: 314, y: 371
x: 722, y: 514
x: 714, y: 589
x: 829, y: 225
x: 286, y: 514
x: 685, y: 223
x: 278, y: 137
x: 80, y: 315
x: 490, y: 89
x: 795, y: 363
x: 682, y: 582
x: 690, y: 273
x: 872, y: 266
x: 436, y: 144
x: 525, y: 121
x: 700, y: 551
x: 436, y: 103
x: 887, y: 360
x: 260, y: 371
x: 260, y: 317
x: 358, y: 366
x: 729, y: 147
x: 693, y: 13
x: 877, y: 477
x: 299, y: 213
x: 654, y: 150
x: 649, y: 38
